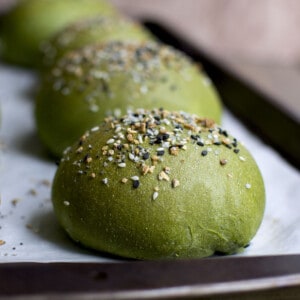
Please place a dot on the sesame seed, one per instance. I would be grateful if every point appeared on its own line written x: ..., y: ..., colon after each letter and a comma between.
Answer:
x: 248, y: 186
x: 155, y: 195
x: 95, y: 129
x: 160, y: 151
x: 135, y: 184
x: 93, y: 175
x: 131, y: 156
x: 236, y: 151
x: 124, y: 180
x: 66, y: 203
x: 146, y: 155
x: 105, y: 180
x: 122, y: 165
x: 110, y: 141
x: 135, y: 178
x: 242, y: 158
x: 204, y: 153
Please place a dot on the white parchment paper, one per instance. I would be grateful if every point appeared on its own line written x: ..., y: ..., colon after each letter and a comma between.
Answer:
x: 28, y: 228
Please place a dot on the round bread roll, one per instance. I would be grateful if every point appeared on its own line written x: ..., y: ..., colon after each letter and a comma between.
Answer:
x: 156, y: 185
x: 91, y: 31
x: 88, y: 84
x: 31, y: 22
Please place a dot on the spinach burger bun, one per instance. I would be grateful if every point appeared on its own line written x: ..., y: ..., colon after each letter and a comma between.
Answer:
x: 31, y: 22
x: 159, y: 185
x: 88, y: 84
x: 94, y: 30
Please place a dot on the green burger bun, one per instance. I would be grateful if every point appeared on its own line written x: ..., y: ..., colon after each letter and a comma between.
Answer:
x: 88, y: 84
x: 31, y: 22
x: 159, y: 185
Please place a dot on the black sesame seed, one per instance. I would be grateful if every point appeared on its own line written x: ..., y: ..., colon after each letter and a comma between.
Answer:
x: 157, y: 118
x: 119, y: 147
x: 160, y: 153
x: 57, y: 162
x: 159, y: 139
x: 194, y: 137
x: 135, y: 184
x: 146, y: 155
x: 217, y: 143
x: 199, y: 143
x: 228, y: 146
x: 178, y: 126
x: 236, y: 151
x: 204, y: 153
x: 165, y: 136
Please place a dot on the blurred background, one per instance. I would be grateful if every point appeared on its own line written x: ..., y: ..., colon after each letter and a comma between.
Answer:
x: 264, y: 31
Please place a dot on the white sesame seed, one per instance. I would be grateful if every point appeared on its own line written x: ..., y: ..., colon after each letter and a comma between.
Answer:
x: 242, y: 158
x: 122, y: 165
x: 131, y: 156
x: 140, y: 138
x: 118, y: 129
x: 96, y: 128
x: 248, y: 186
x: 135, y: 178
x: 105, y: 180
x: 110, y: 141
x: 66, y: 203
x: 155, y: 195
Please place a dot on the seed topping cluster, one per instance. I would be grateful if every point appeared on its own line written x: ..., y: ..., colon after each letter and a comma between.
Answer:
x: 144, y: 139
x: 96, y: 66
